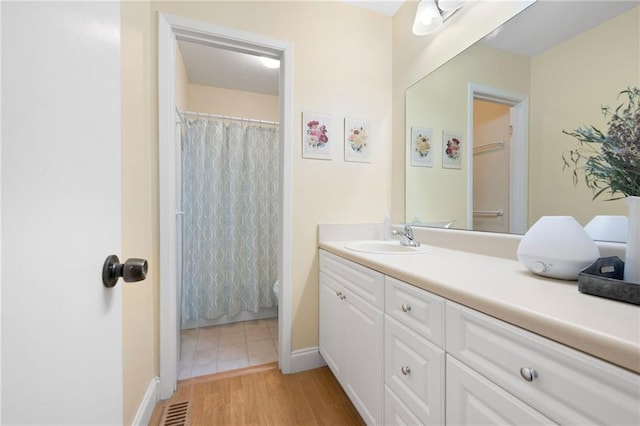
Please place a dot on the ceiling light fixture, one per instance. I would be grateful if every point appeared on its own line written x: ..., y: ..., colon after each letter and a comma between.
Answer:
x: 270, y: 62
x: 432, y: 13
x: 449, y: 5
x: 427, y: 19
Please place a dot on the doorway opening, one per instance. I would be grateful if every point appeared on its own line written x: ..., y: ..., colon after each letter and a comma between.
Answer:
x: 173, y: 30
x: 498, y: 168
x: 227, y: 182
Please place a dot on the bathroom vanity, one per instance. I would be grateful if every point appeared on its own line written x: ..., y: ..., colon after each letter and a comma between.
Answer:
x: 449, y: 337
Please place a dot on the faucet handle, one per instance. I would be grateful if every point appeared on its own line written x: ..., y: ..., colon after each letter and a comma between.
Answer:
x: 408, y: 231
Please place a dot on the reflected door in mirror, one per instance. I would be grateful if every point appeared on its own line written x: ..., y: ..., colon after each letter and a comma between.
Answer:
x: 491, y: 143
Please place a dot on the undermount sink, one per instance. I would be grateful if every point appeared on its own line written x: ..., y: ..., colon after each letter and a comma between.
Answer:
x: 384, y: 247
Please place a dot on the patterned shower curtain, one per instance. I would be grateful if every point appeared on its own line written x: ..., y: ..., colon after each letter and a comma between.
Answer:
x: 230, y: 200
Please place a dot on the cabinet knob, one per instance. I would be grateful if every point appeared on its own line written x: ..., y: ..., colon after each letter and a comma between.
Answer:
x: 343, y: 296
x: 339, y: 294
x: 405, y: 370
x: 406, y: 307
x: 529, y: 374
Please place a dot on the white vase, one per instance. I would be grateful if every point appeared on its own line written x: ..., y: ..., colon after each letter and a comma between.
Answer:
x: 557, y: 247
x: 632, y: 256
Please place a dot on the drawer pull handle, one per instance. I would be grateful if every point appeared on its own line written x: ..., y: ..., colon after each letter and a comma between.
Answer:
x: 529, y: 374
x: 405, y: 370
x: 339, y: 294
x: 406, y: 307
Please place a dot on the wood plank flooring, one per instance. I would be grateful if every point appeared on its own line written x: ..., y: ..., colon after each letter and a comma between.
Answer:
x: 262, y: 395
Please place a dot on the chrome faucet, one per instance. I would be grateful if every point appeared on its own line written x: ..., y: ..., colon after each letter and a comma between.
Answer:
x: 407, y: 237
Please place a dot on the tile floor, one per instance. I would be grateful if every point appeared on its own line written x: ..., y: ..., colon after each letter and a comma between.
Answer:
x: 226, y: 347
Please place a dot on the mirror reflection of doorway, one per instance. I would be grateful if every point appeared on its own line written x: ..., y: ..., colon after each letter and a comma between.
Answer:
x: 498, y: 181
x: 492, y: 141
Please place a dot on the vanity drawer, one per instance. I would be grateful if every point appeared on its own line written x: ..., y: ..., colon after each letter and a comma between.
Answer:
x: 475, y: 400
x: 418, y: 309
x: 569, y: 386
x: 414, y: 371
x: 362, y: 281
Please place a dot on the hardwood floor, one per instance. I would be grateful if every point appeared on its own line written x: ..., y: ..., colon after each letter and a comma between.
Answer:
x: 262, y: 395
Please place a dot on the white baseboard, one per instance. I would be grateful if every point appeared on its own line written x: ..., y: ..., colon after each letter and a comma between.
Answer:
x: 306, y: 359
x: 148, y: 403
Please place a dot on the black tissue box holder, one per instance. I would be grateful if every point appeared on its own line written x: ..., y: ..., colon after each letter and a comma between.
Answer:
x: 605, y: 278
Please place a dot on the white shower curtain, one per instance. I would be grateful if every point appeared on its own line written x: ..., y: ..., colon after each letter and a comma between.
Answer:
x: 230, y: 200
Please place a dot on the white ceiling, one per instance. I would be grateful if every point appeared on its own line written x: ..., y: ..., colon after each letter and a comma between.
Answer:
x: 386, y: 7
x: 211, y: 66
x: 523, y: 34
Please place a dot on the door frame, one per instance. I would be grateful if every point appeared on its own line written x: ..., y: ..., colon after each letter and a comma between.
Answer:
x: 519, y: 153
x: 170, y: 29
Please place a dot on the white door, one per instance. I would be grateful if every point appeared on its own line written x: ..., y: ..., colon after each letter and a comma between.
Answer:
x: 61, y: 328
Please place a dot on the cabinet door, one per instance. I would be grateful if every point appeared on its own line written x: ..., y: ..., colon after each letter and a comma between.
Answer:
x: 474, y: 400
x: 363, y: 345
x: 414, y: 370
x: 332, y: 325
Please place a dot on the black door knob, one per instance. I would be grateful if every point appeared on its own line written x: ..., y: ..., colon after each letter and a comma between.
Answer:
x: 131, y: 270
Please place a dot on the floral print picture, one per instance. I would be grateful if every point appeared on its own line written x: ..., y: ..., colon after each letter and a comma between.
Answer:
x: 421, y: 147
x: 451, y: 150
x: 356, y: 141
x: 316, y: 136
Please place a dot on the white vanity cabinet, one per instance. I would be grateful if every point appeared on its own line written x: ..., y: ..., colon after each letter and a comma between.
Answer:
x: 351, y: 331
x: 562, y: 384
x: 407, y: 356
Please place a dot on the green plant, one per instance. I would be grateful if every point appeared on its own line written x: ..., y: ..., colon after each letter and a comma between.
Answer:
x: 610, y: 162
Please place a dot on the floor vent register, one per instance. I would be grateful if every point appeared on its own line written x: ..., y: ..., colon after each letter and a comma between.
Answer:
x: 176, y: 414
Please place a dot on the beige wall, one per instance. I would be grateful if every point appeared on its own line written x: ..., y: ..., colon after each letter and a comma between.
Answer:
x: 414, y: 57
x: 569, y: 84
x: 342, y: 66
x: 139, y: 207
x: 236, y: 103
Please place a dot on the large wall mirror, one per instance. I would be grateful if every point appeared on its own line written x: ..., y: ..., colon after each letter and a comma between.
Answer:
x: 484, y: 139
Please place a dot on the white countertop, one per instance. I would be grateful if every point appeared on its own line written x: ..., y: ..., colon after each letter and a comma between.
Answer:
x: 505, y: 289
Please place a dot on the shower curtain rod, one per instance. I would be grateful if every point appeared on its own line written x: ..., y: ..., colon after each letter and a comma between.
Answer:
x: 228, y: 117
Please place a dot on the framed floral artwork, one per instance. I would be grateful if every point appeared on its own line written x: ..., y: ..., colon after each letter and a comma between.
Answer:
x: 316, y: 136
x: 356, y: 140
x: 421, y: 147
x: 451, y: 150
